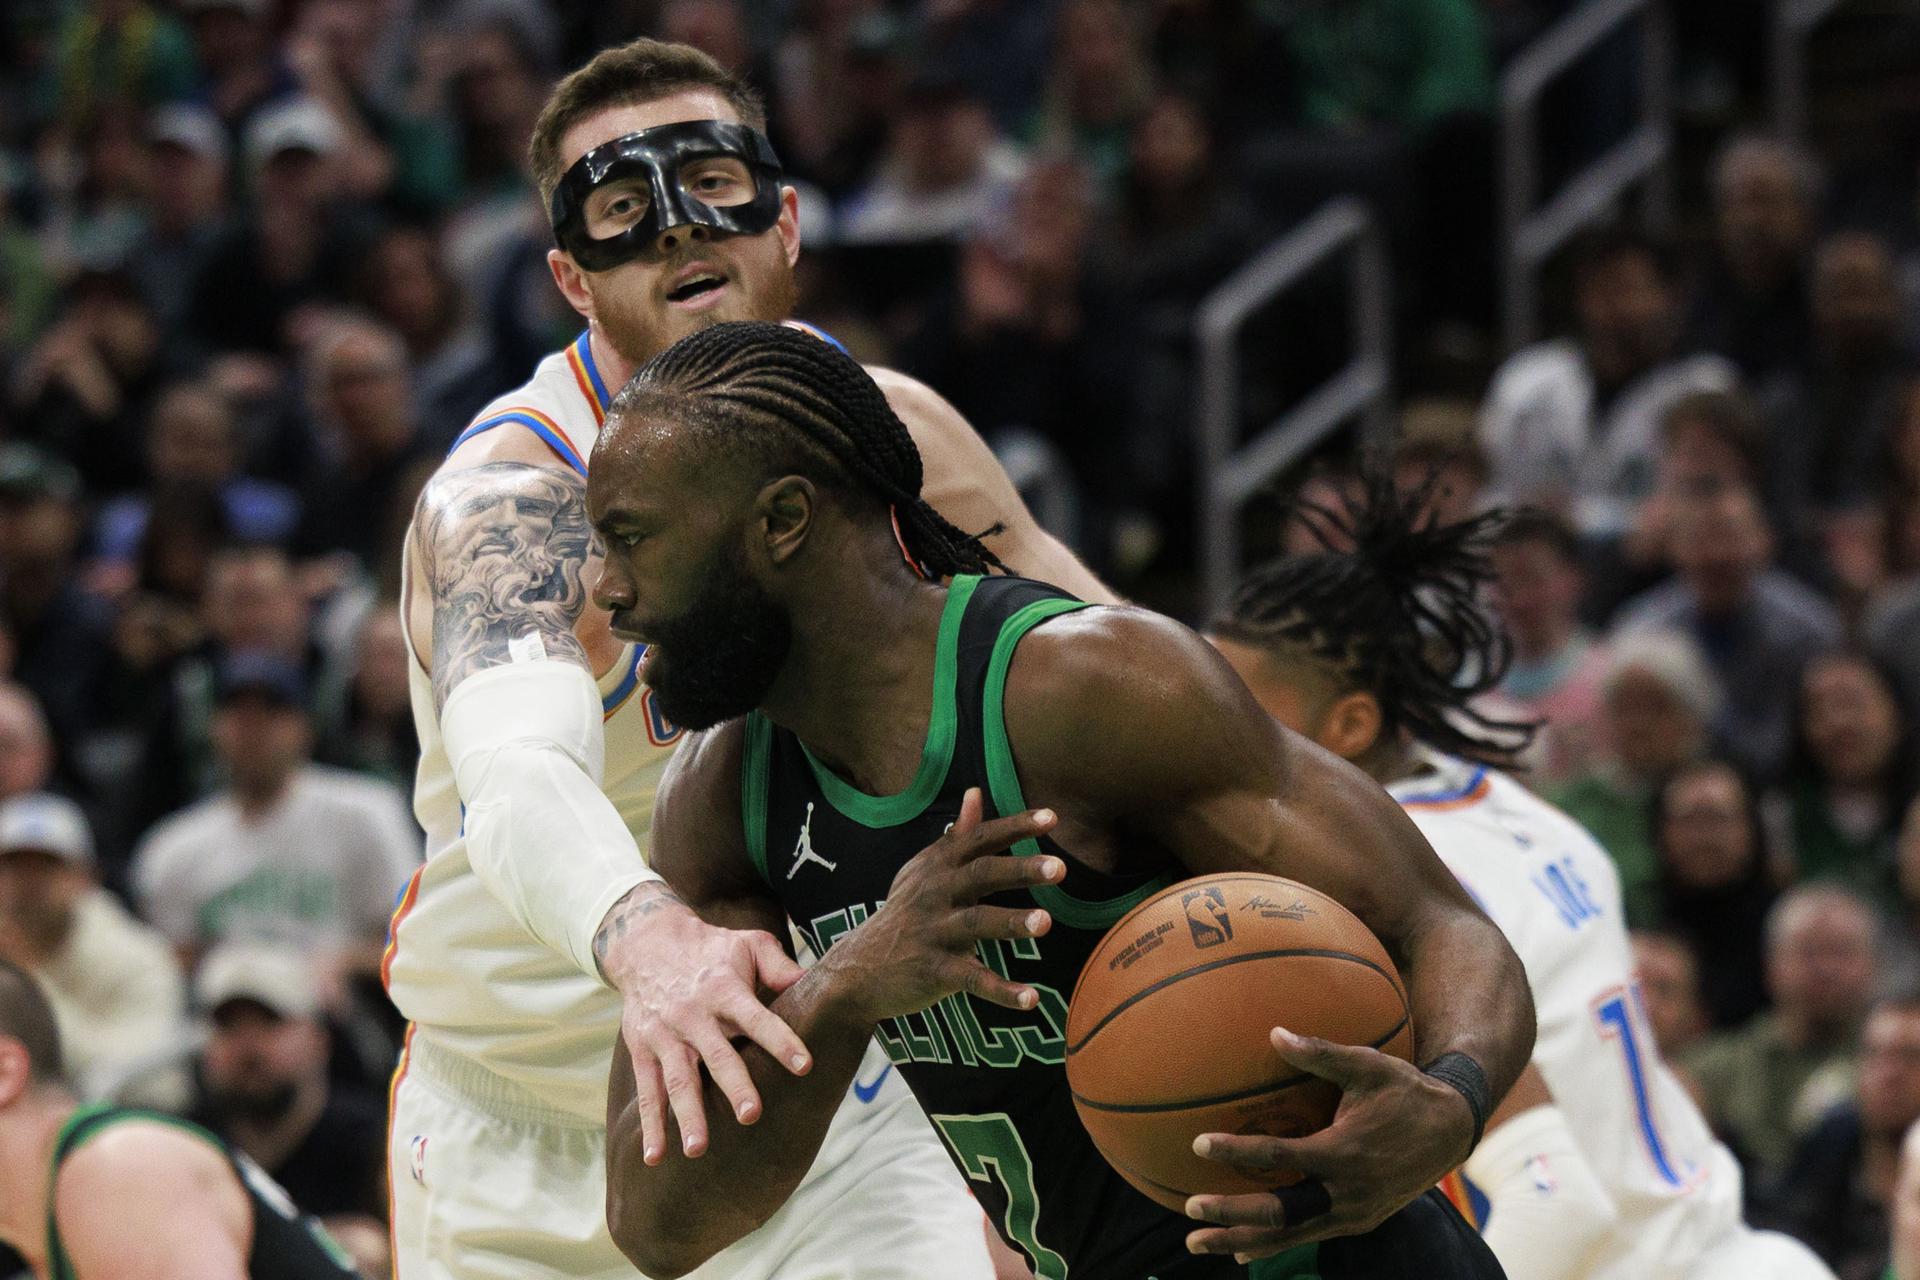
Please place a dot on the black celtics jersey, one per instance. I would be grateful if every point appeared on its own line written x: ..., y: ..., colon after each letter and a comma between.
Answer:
x: 286, y: 1245
x: 992, y: 1079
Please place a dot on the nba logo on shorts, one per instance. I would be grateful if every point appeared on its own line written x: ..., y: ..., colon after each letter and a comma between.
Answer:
x: 419, y: 1158
x: 1207, y: 917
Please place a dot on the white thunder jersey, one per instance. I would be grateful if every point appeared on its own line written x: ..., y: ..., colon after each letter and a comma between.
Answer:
x: 1555, y: 894
x: 509, y: 1003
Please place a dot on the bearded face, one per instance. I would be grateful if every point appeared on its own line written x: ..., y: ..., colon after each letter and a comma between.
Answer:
x: 719, y: 657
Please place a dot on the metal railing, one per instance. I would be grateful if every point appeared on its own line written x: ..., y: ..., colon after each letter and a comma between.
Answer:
x: 1231, y: 472
x: 1793, y: 25
x: 1532, y: 233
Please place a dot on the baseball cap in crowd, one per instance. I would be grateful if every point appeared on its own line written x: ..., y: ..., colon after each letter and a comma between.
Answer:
x: 28, y: 472
x: 190, y: 128
x: 276, y: 979
x: 263, y: 674
x: 298, y: 124
x: 46, y: 823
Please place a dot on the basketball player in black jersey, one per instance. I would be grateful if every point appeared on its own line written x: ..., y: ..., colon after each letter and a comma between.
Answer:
x: 869, y: 694
x: 96, y: 1191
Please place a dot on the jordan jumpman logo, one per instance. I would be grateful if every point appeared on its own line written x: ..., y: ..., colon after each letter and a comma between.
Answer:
x: 803, y: 852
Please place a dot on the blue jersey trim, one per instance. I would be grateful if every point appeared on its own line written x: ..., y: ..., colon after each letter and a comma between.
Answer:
x: 1443, y: 797
x: 823, y: 335
x: 625, y: 687
x: 584, y: 346
x: 554, y: 440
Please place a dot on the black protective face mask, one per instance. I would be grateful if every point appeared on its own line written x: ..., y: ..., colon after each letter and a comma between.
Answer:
x: 662, y: 155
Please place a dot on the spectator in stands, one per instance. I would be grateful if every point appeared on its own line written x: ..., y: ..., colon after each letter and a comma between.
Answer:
x: 240, y: 68
x: 1000, y: 46
x: 264, y: 1076
x: 1832, y: 412
x: 1836, y: 1192
x: 289, y: 853
x: 1574, y: 424
x: 1559, y: 667
x: 384, y: 152
x: 1399, y: 63
x: 1757, y: 625
x: 1669, y: 980
x: 453, y: 373
x: 110, y: 52
x: 1851, y: 776
x: 380, y: 732
x: 357, y: 375
x: 1892, y: 617
x: 194, y: 445
x: 186, y: 205
x: 112, y: 981
x: 26, y: 745
x: 253, y: 601
x: 1658, y: 699
x: 1179, y: 226
x: 500, y: 68
x: 1099, y: 82
x: 1716, y: 882
x: 59, y: 632
x: 297, y: 248
x: 1766, y: 1084
x: 1031, y: 341
x: 945, y: 172
x: 1751, y: 303
x: 85, y: 390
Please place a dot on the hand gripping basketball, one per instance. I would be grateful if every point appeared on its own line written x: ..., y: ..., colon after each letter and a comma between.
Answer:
x: 920, y: 947
x: 1397, y: 1133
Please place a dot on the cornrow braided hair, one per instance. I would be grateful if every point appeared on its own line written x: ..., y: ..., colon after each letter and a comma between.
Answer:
x: 1398, y: 616
x: 802, y: 404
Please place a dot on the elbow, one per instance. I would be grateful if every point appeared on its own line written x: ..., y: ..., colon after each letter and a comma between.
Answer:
x: 662, y: 1237
x: 653, y: 1246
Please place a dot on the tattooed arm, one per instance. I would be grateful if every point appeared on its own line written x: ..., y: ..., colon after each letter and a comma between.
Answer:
x: 504, y: 551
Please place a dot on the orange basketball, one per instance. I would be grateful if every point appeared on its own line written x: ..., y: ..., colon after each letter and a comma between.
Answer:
x: 1167, y: 1036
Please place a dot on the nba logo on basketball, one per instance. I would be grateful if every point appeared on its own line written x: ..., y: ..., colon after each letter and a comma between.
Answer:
x: 1207, y: 917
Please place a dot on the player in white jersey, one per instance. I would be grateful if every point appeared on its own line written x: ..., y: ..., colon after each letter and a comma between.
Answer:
x: 1606, y: 1170
x: 534, y: 918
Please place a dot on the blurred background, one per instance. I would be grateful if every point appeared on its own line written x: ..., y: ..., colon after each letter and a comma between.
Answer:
x: 1652, y: 269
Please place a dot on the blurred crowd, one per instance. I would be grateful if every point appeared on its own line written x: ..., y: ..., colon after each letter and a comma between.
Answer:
x: 261, y: 260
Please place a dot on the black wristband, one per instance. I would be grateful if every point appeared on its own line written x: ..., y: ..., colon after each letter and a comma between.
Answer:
x: 1464, y: 1074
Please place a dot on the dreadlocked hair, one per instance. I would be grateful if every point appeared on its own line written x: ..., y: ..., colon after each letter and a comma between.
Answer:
x: 1396, y: 616
x: 795, y: 403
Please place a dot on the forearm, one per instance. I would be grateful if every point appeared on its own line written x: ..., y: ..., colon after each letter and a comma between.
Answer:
x: 1468, y: 994
x: 747, y: 1172
x: 545, y: 840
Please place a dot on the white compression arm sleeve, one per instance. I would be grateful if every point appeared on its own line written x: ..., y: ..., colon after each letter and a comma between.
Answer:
x: 527, y: 749
x: 1546, y: 1211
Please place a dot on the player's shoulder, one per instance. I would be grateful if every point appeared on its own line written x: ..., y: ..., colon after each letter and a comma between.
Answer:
x: 1116, y: 685
x: 1107, y: 651
x: 134, y: 1153
x: 548, y: 420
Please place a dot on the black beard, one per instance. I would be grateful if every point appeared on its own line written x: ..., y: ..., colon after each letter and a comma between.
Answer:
x: 252, y: 1104
x: 718, y: 659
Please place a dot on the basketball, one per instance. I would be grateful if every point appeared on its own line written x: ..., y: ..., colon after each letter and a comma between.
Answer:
x: 1167, y: 1032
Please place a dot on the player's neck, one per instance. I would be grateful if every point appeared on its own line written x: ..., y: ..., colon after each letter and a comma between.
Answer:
x: 861, y: 665
x: 26, y: 1156
x: 1391, y: 762
x: 615, y: 369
